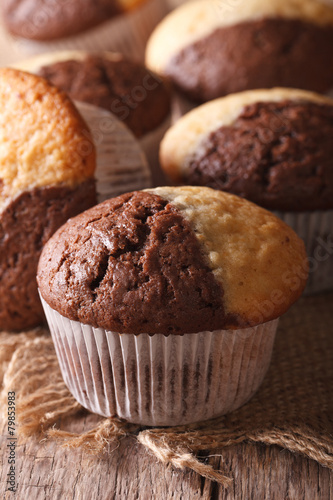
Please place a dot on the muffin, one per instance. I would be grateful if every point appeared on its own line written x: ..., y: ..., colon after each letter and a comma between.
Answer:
x: 122, y: 25
x: 163, y: 304
x: 47, y: 164
x: 209, y: 49
x: 107, y: 80
x: 273, y: 147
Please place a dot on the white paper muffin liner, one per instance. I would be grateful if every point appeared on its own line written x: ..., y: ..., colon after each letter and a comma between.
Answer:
x: 158, y: 380
x: 316, y: 230
x: 150, y: 144
x: 121, y: 164
x: 126, y: 33
x: 181, y: 106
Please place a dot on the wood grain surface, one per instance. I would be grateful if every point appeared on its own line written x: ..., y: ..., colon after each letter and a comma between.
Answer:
x: 45, y: 470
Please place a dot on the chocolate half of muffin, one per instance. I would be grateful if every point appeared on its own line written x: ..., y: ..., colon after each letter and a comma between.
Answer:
x: 135, y: 95
x: 25, y: 226
x: 255, y: 54
x: 44, y: 20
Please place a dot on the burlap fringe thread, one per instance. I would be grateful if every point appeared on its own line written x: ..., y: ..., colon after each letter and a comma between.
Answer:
x: 29, y: 366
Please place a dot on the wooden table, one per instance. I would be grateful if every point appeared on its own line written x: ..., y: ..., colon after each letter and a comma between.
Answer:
x: 45, y: 470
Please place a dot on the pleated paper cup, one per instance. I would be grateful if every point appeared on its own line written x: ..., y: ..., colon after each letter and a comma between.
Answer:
x: 150, y: 144
x: 127, y: 33
x: 161, y: 380
x: 121, y: 164
x: 181, y: 106
x: 316, y: 230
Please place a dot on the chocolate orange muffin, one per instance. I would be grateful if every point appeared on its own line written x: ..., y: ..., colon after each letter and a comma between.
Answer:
x: 47, y: 164
x: 186, y: 270
x: 136, y: 96
x: 272, y: 147
x: 209, y: 49
x: 42, y: 26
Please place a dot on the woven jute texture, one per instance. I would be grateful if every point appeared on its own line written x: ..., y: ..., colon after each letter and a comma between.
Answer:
x: 292, y: 409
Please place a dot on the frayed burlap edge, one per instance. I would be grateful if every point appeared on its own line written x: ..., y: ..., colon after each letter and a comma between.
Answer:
x: 43, y: 399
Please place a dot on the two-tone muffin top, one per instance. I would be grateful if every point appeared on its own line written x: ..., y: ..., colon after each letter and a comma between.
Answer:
x: 273, y: 147
x: 173, y: 260
x: 135, y: 95
x: 209, y: 49
x: 44, y: 20
x: 44, y: 140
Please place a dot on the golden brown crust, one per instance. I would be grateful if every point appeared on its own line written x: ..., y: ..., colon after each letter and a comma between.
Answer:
x: 45, y: 141
x: 259, y: 261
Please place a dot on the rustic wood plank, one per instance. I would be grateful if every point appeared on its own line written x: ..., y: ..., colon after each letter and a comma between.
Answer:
x: 45, y: 471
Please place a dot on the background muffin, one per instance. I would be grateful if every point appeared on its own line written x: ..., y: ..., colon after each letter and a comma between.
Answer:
x: 272, y: 147
x: 122, y: 25
x: 159, y: 267
x: 136, y: 96
x: 47, y: 164
x: 209, y: 49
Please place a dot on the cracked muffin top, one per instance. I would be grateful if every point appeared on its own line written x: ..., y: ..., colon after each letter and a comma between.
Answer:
x: 135, y: 95
x: 273, y: 147
x: 45, y: 20
x: 209, y: 48
x: 173, y: 261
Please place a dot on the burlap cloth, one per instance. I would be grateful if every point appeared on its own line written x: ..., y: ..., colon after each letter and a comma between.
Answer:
x: 292, y: 409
